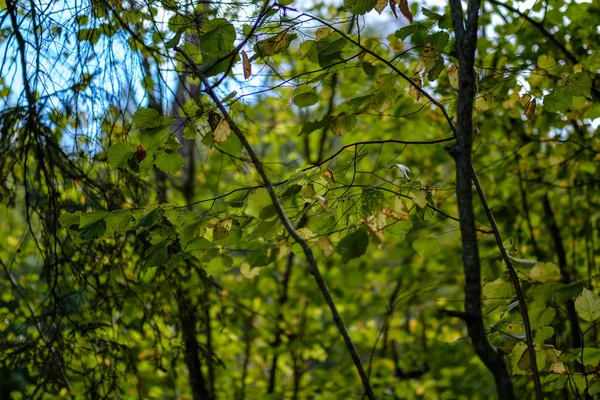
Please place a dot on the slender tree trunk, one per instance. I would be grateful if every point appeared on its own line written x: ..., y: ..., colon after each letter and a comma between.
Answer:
x: 466, y: 44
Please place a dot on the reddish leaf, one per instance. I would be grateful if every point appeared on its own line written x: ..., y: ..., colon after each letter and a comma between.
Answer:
x: 406, y: 10
x: 140, y: 153
x: 393, y: 7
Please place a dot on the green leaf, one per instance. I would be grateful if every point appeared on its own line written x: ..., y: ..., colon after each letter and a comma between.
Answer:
x: 68, y: 219
x: 146, y: 118
x: 406, y: 31
x: 438, y: 40
x: 343, y: 123
x: 93, y: 231
x: 587, y: 305
x: 359, y: 7
x: 119, y: 220
x: 579, y: 84
x: 591, y: 356
x: 399, y: 228
x: 169, y: 161
x: 199, y: 244
x: 118, y: 153
x: 149, y: 220
x: 156, y: 255
x: 369, y: 68
x: 218, y: 265
x: 557, y: 101
x: 153, y: 138
x: 427, y: 247
x: 306, y: 99
x: 312, y: 126
x: 256, y: 202
x: 91, y: 217
x: 353, y: 245
x: 371, y: 200
x: 568, y: 291
x: 437, y: 69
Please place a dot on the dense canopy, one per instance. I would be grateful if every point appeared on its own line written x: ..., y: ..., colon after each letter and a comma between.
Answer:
x: 357, y: 199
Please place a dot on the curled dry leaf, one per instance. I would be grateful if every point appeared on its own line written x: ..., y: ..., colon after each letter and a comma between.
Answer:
x: 222, y: 132
x: 393, y: 7
x: 453, y: 76
x: 530, y: 109
x: 381, y: 5
x: 329, y: 175
x: 525, y: 99
x: 246, y: 64
x: 140, y: 154
x: 405, y: 10
x: 213, y: 120
x: 323, y: 33
x: 413, y: 91
x: 324, y: 202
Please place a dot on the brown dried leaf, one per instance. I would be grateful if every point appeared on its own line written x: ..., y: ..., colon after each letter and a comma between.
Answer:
x: 222, y: 132
x: 530, y: 109
x: 393, y: 7
x: 405, y: 10
x: 140, y: 154
x: 525, y: 99
x: 213, y: 120
x: 246, y: 64
x: 329, y: 175
x: 413, y: 90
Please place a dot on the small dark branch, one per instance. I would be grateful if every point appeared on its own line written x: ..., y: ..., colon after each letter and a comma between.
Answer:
x: 391, y: 66
x: 466, y: 37
x: 247, y: 340
x: 314, y: 268
x: 576, y: 334
x: 515, y: 281
x: 525, y: 203
x: 187, y: 318
x: 208, y: 333
x: 330, y: 109
x: 57, y: 357
x: 279, y: 331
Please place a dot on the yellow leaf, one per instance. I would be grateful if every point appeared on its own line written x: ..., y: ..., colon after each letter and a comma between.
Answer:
x: 413, y: 90
x: 453, y: 76
x: 272, y: 45
x: 222, y: 132
x: 381, y: 5
x: 248, y: 271
x: 246, y: 64
x: 323, y: 33
x: 325, y: 246
x: 483, y: 102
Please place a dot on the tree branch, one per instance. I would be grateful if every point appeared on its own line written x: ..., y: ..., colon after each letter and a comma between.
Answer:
x: 314, y: 268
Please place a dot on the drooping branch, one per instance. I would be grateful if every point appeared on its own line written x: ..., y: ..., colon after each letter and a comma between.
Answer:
x: 310, y: 258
